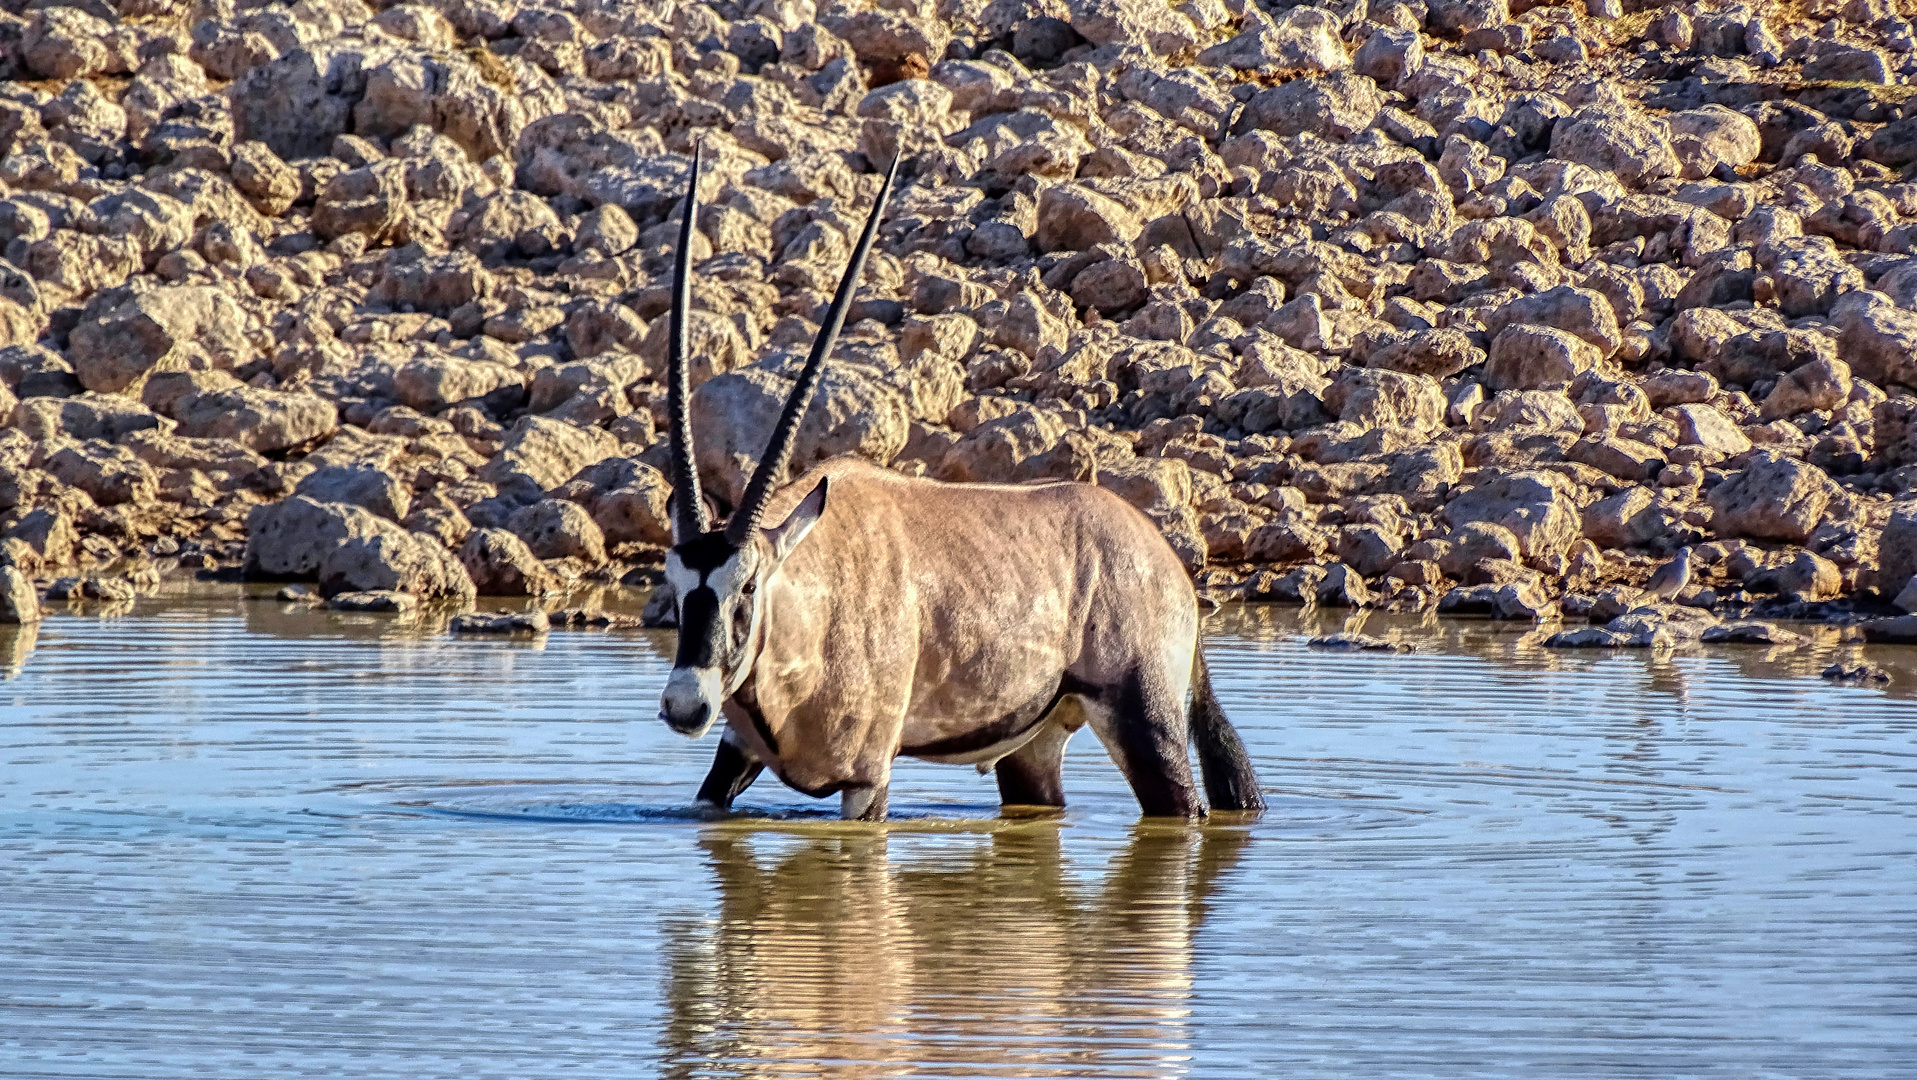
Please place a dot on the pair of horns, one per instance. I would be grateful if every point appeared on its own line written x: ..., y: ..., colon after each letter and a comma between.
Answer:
x: 689, y: 510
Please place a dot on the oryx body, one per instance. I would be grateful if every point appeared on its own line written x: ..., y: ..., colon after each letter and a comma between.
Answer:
x: 975, y: 624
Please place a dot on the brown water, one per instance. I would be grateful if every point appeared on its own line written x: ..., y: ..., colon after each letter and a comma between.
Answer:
x: 243, y: 840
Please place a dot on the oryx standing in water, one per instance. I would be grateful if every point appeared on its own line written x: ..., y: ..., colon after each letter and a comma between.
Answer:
x: 967, y: 623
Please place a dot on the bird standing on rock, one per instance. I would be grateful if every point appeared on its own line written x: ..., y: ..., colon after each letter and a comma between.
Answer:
x: 1671, y: 578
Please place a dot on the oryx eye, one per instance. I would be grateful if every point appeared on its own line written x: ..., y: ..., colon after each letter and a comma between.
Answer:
x: 750, y: 588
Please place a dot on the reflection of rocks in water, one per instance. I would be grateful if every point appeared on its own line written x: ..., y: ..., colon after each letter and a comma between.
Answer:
x: 101, y: 609
x: 16, y: 644
x: 839, y: 959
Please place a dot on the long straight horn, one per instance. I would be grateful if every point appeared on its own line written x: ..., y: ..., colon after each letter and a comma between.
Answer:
x: 785, y: 434
x: 688, y: 505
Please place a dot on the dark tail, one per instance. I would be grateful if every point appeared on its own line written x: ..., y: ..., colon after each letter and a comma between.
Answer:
x: 1230, y: 783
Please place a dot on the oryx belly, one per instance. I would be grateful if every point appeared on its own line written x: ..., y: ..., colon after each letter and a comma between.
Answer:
x: 984, y: 757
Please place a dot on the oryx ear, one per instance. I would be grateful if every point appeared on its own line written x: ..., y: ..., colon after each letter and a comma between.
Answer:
x: 786, y: 535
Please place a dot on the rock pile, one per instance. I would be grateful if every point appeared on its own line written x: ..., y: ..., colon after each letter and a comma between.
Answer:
x: 1488, y: 304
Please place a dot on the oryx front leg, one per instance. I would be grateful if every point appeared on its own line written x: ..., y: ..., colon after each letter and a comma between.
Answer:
x: 866, y: 800
x: 733, y: 770
x: 863, y: 804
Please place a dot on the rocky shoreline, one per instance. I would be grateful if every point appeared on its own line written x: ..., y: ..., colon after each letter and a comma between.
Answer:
x: 1483, y: 307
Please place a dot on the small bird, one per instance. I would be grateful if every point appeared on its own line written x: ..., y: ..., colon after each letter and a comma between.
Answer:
x: 1671, y: 578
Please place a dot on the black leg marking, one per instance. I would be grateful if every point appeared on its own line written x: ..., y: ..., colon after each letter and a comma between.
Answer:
x: 1148, y: 733
x: 732, y: 772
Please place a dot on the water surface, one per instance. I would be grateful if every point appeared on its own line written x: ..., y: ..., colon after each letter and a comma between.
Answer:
x: 242, y: 839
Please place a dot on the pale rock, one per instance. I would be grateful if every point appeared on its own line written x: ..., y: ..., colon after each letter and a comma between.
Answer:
x: 74, y: 265
x: 291, y: 537
x: 1379, y: 398
x: 1676, y: 387
x: 1626, y: 459
x: 1710, y: 138
x: 1634, y: 517
x: 1336, y: 107
x: 595, y: 329
x: 123, y: 336
x: 607, y: 230
x: 733, y: 416
x: 46, y: 536
x: 1582, y: 312
x: 1516, y: 600
x: 556, y: 529
x: 1030, y: 328
x: 434, y: 382
x: 1154, y: 26
x: 1772, y: 498
x: 1437, y: 353
x: 436, y: 284
x: 1803, y: 577
x: 1533, y: 505
x: 64, y: 43
x: 1474, y: 542
x: 1304, y: 39
x: 110, y: 474
x: 1822, y: 384
x: 629, y: 501
x: 546, y: 453
x: 1075, y: 218
x: 1389, y: 55
x: 19, y: 604
x: 84, y: 416
x: 362, y: 485
x: 1524, y: 357
x: 266, y: 421
x: 369, y: 201
x: 1633, y: 145
x: 499, y: 564
x: 1704, y: 425
x: 1897, y: 549
x: 1150, y: 484
x: 1030, y: 444
x: 387, y: 558
x: 157, y: 223
x: 715, y: 346
x: 1529, y: 410
x: 1879, y: 339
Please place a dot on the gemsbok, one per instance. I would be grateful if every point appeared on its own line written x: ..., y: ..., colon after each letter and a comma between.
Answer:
x: 885, y: 615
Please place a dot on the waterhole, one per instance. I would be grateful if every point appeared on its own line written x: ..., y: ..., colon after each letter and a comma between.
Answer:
x: 243, y: 839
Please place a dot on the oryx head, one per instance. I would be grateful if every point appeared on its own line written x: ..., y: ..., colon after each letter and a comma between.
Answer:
x: 717, y: 576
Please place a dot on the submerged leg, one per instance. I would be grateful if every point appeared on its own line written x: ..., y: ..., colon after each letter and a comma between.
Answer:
x: 1033, y: 774
x: 864, y: 803
x: 1143, y: 727
x: 733, y: 770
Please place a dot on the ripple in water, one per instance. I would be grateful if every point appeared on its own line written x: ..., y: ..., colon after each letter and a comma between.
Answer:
x: 239, y: 839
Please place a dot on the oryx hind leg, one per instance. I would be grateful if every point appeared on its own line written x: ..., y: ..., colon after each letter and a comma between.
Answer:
x: 1033, y: 775
x: 1143, y: 725
x: 733, y: 770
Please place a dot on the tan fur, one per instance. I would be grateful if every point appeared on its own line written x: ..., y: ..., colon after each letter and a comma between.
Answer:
x: 917, y: 612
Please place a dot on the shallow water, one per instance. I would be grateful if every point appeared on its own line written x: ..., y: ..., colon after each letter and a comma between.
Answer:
x: 243, y: 840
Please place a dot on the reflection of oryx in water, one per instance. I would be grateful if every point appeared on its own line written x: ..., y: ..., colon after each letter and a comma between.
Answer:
x: 974, y: 624
x: 837, y: 959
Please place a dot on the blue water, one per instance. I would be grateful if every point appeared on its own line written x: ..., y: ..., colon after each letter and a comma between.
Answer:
x: 240, y: 839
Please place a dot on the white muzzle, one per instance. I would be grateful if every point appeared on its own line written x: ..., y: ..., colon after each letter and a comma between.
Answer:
x: 691, y: 701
